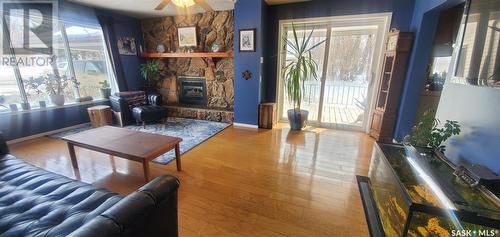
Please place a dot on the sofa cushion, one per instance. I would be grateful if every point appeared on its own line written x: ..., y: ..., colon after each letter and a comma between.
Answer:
x: 35, y: 202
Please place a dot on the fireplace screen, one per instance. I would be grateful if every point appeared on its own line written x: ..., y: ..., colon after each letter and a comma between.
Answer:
x: 193, y: 90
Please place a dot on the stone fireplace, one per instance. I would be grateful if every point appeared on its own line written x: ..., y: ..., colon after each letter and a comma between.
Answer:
x: 192, y: 91
x: 217, y: 80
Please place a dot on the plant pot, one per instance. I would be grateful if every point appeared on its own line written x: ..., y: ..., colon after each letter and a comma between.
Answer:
x: 297, y: 118
x: 13, y: 107
x: 25, y: 106
x: 106, y: 93
x: 57, y: 99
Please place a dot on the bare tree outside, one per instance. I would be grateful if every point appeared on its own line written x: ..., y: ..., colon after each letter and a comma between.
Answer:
x: 350, y: 57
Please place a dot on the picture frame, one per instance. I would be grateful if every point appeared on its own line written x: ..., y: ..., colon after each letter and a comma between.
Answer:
x: 247, y: 42
x: 126, y: 46
x: 187, y: 36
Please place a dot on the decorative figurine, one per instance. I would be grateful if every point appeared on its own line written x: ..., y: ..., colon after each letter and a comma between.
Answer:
x: 247, y: 75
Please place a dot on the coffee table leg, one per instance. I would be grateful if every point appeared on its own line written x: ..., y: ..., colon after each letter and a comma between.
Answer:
x: 178, y: 157
x: 72, y: 154
x: 145, y: 166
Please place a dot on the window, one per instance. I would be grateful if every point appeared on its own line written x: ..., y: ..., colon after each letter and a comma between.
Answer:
x: 89, y: 58
x: 9, y: 92
x: 80, y: 57
x: 439, y: 69
x: 477, y: 57
x: 35, y: 76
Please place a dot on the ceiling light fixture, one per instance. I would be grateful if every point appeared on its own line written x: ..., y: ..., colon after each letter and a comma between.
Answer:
x: 183, y: 3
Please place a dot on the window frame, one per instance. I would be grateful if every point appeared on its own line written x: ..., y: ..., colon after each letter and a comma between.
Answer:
x: 110, y: 76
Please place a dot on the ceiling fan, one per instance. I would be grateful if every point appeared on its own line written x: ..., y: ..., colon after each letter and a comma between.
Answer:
x: 184, y: 4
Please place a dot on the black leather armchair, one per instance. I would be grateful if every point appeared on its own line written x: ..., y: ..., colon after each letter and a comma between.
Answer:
x: 35, y: 202
x: 139, y: 107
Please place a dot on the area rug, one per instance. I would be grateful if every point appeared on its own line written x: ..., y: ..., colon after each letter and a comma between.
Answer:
x: 193, y: 132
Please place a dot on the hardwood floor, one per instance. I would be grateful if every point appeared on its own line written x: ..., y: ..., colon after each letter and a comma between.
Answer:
x: 243, y: 182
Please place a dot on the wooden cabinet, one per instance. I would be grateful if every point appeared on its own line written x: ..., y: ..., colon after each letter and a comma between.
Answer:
x: 392, y: 80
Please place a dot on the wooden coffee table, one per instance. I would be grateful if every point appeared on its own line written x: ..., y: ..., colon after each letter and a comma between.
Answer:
x: 125, y: 143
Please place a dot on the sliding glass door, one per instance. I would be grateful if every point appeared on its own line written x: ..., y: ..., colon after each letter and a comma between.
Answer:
x: 341, y: 97
x: 311, y: 97
x: 348, y: 77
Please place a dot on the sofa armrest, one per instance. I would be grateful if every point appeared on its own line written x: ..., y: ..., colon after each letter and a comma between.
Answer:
x: 149, y: 211
x: 4, y: 149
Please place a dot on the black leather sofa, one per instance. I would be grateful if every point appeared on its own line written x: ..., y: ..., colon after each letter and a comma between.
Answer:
x: 139, y: 107
x: 35, y: 202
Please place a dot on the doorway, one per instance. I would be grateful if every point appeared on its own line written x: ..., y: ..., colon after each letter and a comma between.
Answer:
x: 348, y: 64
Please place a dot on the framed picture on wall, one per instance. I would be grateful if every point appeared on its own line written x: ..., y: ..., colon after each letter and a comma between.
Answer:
x: 187, y: 36
x: 126, y: 46
x: 247, y: 40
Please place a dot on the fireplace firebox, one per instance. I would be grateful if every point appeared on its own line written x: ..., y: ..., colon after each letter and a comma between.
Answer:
x: 192, y: 90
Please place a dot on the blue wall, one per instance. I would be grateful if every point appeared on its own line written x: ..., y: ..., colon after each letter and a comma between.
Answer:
x: 248, y: 14
x: 21, y: 124
x: 423, y: 24
x: 26, y: 124
x: 125, y: 26
x: 402, y: 13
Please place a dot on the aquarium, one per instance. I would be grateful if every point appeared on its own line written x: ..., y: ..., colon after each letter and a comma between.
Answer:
x: 416, y: 194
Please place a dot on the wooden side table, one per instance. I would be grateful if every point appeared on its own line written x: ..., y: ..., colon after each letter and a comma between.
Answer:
x: 267, y: 115
x: 100, y: 115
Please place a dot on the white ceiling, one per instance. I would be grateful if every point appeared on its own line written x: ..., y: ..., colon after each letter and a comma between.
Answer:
x: 145, y: 8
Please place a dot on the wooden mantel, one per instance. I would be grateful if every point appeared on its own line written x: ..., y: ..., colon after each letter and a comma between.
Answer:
x: 188, y: 55
x: 210, y: 56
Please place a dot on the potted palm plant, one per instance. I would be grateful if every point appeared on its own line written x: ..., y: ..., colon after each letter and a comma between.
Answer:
x: 297, y: 69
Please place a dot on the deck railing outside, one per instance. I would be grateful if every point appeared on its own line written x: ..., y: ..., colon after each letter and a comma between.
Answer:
x: 343, y: 102
x: 337, y: 93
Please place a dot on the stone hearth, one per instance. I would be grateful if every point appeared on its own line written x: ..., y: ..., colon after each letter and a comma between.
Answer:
x: 212, y: 27
x: 200, y: 113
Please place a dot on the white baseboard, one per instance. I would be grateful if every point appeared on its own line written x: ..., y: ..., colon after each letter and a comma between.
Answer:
x: 244, y: 125
x: 22, y: 139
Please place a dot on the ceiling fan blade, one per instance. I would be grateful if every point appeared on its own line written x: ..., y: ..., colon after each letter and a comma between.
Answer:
x: 203, y: 4
x: 162, y: 4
